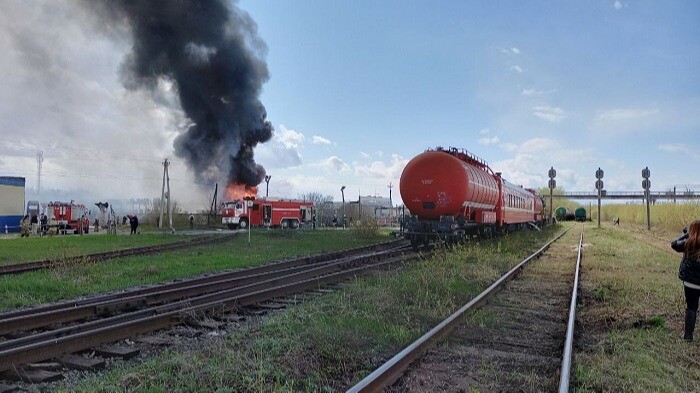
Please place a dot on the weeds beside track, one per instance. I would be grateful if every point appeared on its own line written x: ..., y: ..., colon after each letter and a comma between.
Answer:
x: 446, y: 368
x: 199, y: 299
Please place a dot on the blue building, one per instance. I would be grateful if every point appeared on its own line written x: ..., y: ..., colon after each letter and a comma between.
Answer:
x: 11, y: 202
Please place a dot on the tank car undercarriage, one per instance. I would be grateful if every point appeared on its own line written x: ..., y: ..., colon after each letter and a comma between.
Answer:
x: 452, y: 231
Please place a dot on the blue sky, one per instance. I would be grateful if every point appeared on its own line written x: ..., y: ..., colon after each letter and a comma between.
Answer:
x: 576, y: 85
x: 358, y: 88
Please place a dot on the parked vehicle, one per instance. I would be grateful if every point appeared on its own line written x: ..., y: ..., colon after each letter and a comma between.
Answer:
x: 267, y: 212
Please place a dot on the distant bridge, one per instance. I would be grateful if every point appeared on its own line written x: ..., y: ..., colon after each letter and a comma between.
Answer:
x: 655, y: 195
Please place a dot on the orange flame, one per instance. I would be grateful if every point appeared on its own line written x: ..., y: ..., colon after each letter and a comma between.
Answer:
x: 236, y: 191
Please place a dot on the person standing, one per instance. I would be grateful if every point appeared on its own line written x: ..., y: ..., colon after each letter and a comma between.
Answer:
x: 44, y: 224
x: 191, y: 221
x: 24, y: 224
x: 134, y: 222
x: 34, y: 222
x: 689, y: 273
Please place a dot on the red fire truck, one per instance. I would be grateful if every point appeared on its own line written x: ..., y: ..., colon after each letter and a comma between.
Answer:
x: 66, y: 216
x: 267, y: 212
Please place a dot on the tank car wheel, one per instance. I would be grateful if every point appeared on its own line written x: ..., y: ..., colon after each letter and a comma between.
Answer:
x: 294, y: 224
x: 243, y: 224
x: 284, y: 224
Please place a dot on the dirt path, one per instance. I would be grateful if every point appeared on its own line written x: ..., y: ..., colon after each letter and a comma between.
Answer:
x: 512, y: 344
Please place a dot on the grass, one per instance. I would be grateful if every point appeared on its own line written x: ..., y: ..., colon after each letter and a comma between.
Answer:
x: 330, y: 342
x: 667, y: 215
x: 86, y: 278
x: 17, y: 250
x: 632, y: 316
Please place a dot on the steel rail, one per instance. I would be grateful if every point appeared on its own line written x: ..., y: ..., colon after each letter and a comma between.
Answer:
x: 266, y: 284
x: 24, y: 267
x: 569, y: 343
x: 165, y: 295
x: 146, y: 321
x: 391, y: 371
x: 209, y: 277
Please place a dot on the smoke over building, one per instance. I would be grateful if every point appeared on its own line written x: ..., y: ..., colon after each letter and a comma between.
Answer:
x: 211, y: 53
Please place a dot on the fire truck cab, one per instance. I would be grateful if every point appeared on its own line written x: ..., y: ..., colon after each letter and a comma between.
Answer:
x: 266, y: 212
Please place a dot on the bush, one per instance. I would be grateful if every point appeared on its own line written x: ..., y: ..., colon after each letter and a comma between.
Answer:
x: 365, y: 228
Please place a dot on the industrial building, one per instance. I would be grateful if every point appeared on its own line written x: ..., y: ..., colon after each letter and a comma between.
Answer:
x: 11, y: 203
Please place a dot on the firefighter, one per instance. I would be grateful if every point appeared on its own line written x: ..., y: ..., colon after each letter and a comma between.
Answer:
x: 24, y: 224
x: 191, y: 221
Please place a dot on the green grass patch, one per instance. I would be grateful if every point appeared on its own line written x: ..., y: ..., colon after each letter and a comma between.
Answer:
x: 80, y: 279
x: 330, y: 342
x: 632, y: 317
x: 18, y: 250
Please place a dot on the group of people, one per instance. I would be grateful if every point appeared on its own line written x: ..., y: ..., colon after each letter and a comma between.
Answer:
x: 29, y: 224
x: 39, y: 225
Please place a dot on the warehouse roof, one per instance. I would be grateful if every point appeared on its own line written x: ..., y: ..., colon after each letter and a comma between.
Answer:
x: 12, y: 181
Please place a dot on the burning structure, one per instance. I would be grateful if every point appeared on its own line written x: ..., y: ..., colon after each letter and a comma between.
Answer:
x: 210, y: 51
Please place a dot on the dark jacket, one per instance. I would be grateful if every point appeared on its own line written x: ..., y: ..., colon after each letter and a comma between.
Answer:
x: 689, y: 270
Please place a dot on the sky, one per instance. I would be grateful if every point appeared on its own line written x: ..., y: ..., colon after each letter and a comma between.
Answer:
x: 358, y: 88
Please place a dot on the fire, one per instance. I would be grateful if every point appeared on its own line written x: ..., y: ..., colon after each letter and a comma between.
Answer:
x: 236, y: 191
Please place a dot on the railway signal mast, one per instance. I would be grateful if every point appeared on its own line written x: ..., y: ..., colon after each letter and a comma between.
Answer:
x: 646, y: 185
x: 552, y: 186
x: 599, y: 186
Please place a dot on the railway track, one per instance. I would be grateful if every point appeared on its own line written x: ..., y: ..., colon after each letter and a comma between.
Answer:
x: 103, y: 256
x: 523, y: 342
x: 47, y: 332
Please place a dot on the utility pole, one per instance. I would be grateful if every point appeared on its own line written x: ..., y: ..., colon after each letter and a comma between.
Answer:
x: 39, y: 162
x: 212, y: 207
x: 391, y: 204
x: 599, y: 186
x: 552, y: 185
x: 342, y: 192
x: 165, y: 197
x: 267, y: 185
x: 646, y: 185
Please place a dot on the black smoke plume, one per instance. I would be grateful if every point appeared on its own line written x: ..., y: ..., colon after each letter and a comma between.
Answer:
x: 210, y: 51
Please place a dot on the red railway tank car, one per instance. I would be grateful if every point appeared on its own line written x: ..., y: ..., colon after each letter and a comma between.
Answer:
x: 453, y: 194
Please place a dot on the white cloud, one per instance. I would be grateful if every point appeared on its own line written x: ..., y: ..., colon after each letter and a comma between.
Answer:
x: 289, y: 138
x: 531, y: 159
x: 381, y: 170
x: 319, y: 140
x: 334, y: 163
x: 617, y: 4
x: 551, y: 114
x: 517, y: 68
x: 379, y: 153
x: 510, y: 51
x: 489, y: 141
x: 484, y: 131
x: 625, y: 114
x: 283, y: 150
x: 679, y: 148
x: 535, y: 92
x: 365, y: 155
